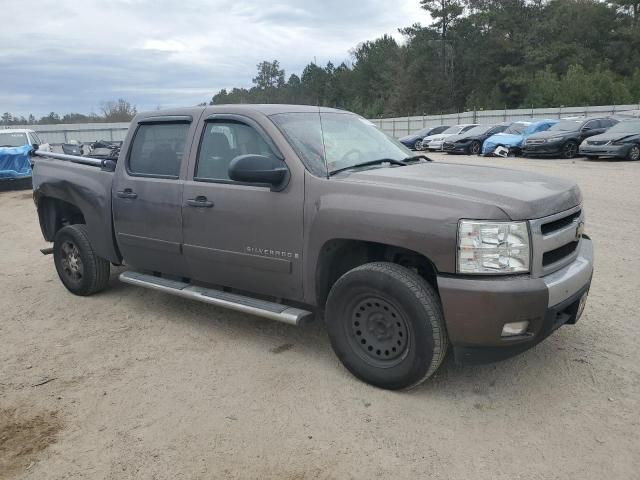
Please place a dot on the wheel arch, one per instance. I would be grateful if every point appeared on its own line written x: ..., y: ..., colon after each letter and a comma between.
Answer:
x: 338, y: 256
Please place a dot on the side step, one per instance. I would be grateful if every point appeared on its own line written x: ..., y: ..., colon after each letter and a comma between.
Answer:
x: 232, y: 301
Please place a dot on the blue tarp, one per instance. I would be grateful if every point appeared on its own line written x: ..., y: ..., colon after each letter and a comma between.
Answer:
x: 15, y: 162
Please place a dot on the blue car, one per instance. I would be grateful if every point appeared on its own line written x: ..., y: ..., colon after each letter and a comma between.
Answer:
x: 513, y: 137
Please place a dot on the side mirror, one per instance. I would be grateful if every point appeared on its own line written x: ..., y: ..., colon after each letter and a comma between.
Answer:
x: 259, y: 169
x: 35, y: 146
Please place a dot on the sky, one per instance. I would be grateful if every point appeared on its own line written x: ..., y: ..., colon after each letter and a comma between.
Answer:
x: 72, y: 55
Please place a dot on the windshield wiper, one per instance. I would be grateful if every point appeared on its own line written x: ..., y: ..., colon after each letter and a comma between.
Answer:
x: 366, y: 164
x: 417, y: 158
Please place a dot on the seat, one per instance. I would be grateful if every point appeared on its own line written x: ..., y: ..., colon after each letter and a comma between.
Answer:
x: 215, y: 157
x: 164, y: 160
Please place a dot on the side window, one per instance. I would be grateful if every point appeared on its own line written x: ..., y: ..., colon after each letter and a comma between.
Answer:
x: 593, y: 124
x: 468, y: 127
x: 222, y: 142
x: 158, y: 149
x: 35, y: 139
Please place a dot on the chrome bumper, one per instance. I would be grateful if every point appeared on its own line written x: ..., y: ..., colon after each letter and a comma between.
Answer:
x: 569, y: 280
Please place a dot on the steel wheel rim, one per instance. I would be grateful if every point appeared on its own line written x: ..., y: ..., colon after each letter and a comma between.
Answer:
x: 70, y: 261
x: 378, y: 331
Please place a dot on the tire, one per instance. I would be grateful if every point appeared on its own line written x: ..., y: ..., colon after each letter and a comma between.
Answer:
x: 569, y: 150
x: 386, y: 325
x: 79, y: 268
x: 474, y: 148
x: 417, y: 146
x: 634, y: 153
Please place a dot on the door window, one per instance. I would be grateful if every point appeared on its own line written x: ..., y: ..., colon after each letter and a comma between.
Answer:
x: 158, y: 149
x: 222, y: 142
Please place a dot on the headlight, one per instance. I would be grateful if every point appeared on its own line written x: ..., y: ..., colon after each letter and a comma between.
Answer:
x: 487, y: 248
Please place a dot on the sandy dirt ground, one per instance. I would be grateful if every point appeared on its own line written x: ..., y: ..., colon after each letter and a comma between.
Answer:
x: 133, y: 383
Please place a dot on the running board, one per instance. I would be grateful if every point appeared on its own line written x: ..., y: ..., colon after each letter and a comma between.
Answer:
x: 232, y: 301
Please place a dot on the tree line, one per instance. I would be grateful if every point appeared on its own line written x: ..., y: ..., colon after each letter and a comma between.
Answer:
x: 476, y: 54
x: 111, y: 111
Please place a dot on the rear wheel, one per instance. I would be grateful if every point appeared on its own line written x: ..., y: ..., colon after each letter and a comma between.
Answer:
x: 474, y: 148
x: 386, y: 325
x: 634, y: 153
x: 79, y: 268
x: 418, y: 145
x: 569, y: 149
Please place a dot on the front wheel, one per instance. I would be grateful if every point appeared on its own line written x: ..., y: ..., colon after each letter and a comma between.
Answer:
x: 79, y: 268
x: 634, y: 153
x: 386, y: 325
x: 474, y: 148
x: 418, y: 145
x: 569, y: 149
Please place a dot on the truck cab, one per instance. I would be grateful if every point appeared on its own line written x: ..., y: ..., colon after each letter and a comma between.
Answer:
x: 286, y: 211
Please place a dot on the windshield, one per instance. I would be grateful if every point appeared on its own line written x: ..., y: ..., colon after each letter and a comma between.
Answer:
x: 479, y: 130
x: 339, y: 141
x: 516, y: 129
x: 630, y: 126
x: 453, y: 130
x: 13, y: 139
x: 567, y: 125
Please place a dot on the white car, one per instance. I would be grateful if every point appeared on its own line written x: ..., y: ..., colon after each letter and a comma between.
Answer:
x: 435, y: 142
x: 17, y: 137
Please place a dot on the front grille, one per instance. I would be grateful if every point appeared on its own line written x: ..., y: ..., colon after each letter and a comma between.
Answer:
x: 553, y: 256
x: 551, y: 227
x: 597, y: 142
x: 555, y: 241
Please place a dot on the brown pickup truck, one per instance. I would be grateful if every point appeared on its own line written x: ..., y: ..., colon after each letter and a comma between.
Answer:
x: 284, y: 211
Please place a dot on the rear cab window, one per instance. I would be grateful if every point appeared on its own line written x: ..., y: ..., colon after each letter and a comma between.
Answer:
x: 158, y: 149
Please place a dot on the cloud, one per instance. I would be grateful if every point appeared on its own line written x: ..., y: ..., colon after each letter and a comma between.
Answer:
x: 167, y: 53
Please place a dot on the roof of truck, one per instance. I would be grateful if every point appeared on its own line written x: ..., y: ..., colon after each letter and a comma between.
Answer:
x: 265, y: 109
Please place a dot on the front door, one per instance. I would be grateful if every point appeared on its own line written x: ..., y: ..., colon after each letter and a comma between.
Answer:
x: 240, y: 235
x: 147, y: 196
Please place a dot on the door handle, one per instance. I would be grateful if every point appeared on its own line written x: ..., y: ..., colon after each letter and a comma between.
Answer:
x: 200, y: 202
x: 127, y: 193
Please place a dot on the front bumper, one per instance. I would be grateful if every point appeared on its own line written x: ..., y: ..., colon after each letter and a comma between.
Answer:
x: 543, y: 149
x: 455, y: 147
x: 435, y: 145
x: 476, y: 309
x: 611, y: 151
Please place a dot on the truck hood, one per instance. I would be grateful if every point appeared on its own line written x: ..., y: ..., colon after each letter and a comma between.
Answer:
x: 521, y: 195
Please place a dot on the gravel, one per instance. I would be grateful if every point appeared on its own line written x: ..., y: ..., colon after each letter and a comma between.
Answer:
x: 152, y: 386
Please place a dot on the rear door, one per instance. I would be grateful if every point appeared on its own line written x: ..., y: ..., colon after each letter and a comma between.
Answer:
x: 147, y: 194
x: 235, y: 234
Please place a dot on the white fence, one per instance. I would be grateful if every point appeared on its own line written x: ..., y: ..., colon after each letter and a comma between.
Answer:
x: 401, y: 126
x: 397, y: 127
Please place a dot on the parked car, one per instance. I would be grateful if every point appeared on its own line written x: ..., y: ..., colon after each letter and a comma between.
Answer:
x: 514, y: 136
x: 414, y: 141
x: 620, y: 141
x: 14, y: 147
x: 435, y: 142
x: 378, y: 241
x: 564, y: 138
x: 470, y: 142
